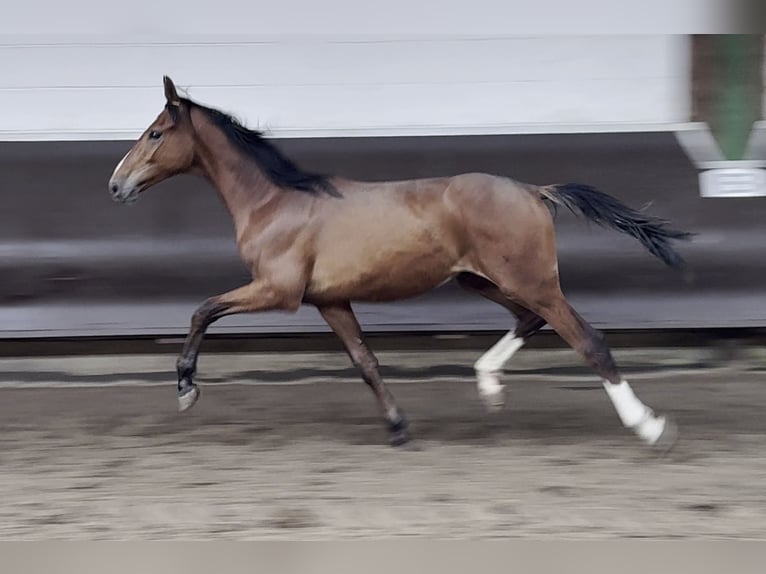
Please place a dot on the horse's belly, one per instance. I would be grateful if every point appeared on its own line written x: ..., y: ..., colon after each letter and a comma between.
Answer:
x: 381, y: 275
x: 382, y: 252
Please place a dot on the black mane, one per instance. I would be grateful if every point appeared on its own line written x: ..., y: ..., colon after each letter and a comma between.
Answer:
x: 280, y: 170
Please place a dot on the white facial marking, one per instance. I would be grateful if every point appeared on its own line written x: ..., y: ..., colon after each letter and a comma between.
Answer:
x: 491, y: 363
x: 119, y: 165
x: 633, y: 413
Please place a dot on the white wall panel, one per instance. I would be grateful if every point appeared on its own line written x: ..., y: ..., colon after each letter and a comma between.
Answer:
x: 87, y: 87
x: 483, y: 17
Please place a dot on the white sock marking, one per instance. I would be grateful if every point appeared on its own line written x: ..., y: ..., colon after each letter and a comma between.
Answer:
x: 633, y: 413
x: 491, y: 363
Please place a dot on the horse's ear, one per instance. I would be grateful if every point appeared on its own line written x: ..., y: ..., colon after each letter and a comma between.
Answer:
x: 170, y: 91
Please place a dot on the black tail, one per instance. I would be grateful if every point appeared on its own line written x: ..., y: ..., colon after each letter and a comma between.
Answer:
x: 610, y: 212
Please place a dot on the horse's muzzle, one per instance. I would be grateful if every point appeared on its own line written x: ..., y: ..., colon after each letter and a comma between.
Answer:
x: 123, y: 194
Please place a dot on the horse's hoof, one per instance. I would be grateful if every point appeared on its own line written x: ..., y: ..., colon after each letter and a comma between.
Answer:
x: 187, y: 396
x: 493, y: 402
x: 398, y: 433
x: 667, y: 440
x: 399, y: 438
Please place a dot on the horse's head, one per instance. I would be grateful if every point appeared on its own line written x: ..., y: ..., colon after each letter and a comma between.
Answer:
x: 165, y: 149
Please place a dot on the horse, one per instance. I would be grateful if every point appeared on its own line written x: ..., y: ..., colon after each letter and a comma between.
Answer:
x: 327, y: 241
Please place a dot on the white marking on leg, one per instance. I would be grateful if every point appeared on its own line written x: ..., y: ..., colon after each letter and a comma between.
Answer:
x: 490, y: 365
x: 633, y: 413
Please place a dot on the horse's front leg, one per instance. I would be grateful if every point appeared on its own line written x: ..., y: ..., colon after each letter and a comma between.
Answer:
x: 342, y: 320
x: 256, y: 296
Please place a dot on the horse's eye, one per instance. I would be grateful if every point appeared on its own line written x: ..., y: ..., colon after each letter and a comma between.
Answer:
x: 155, y: 135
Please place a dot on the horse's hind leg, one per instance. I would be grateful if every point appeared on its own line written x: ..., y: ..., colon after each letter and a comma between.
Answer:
x: 341, y: 319
x: 590, y: 344
x: 490, y: 365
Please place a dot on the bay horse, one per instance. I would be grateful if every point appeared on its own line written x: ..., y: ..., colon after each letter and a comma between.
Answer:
x: 327, y: 241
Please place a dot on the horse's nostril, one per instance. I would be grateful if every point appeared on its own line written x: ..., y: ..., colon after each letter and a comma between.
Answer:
x: 114, y: 188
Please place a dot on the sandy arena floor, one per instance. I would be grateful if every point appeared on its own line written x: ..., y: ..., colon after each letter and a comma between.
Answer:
x: 290, y: 446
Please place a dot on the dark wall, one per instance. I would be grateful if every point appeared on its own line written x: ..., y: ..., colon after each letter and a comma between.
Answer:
x: 73, y: 261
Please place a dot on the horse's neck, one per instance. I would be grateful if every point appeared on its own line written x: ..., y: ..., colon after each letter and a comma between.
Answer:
x: 239, y: 180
